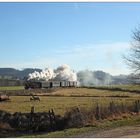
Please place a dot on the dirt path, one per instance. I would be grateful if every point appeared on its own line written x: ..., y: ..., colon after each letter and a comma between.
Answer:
x: 120, y: 132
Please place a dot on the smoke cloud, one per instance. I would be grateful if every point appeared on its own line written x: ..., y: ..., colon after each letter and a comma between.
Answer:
x: 84, y: 78
x: 93, y: 78
x: 63, y: 72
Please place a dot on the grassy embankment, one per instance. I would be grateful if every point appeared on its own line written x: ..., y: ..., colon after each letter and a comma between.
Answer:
x: 129, y: 87
x: 125, y: 88
x: 104, y: 125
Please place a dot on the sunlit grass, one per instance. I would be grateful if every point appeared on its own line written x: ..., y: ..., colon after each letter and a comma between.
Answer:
x: 59, y: 104
x: 12, y: 88
x: 90, y: 92
x: 68, y: 99
x: 125, y: 87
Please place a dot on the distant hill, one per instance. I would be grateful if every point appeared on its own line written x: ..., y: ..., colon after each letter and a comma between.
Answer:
x: 20, y: 74
x: 85, y: 77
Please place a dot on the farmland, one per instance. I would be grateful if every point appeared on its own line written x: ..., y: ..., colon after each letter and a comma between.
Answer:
x: 129, y: 87
x: 12, y: 88
x: 63, y: 98
x: 59, y: 104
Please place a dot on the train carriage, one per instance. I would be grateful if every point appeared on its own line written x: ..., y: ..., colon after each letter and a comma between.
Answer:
x: 49, y: 84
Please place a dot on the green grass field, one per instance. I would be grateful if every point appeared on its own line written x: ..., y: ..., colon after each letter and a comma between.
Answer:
x: 90, y: 92
x: 62, y: 99
x: 125, y: 87
x: 61, y: 103
x: 12, y: 88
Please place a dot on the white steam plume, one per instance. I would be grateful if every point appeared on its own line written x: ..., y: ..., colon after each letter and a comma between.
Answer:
x: 63, y: 72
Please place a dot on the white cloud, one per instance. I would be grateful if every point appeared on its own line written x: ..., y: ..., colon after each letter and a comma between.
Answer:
x: 103, y: 47
x: 106, y: 56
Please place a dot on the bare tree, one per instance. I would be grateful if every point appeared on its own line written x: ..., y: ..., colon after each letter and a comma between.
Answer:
x: 132, y: 59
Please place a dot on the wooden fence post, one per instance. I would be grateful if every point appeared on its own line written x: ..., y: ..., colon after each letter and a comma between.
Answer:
x: 97, y: 113
x: 32, y: 109
x: 137, y: 106
x: 50, y: 116
x: 31, y: 120
x: 112, y: 107
x: 53, y: 115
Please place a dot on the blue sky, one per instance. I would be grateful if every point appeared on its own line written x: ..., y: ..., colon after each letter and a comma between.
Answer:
x: 83, y: 35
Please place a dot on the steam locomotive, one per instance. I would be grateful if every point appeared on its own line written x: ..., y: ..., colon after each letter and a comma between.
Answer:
x: 30, y: 84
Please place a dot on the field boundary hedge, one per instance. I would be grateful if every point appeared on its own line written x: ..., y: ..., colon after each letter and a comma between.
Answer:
x: 112, y: 89
x: 73, y: 117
